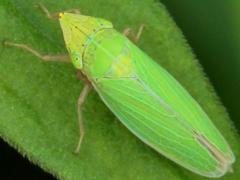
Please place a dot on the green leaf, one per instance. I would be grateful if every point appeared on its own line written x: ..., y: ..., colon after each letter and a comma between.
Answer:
x: 38, y: 99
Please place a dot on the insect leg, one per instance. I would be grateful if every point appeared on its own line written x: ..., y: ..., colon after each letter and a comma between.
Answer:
x: 128, y: 32
x: 83, y: 95
x: 63, y: 58
x: 55, y: 15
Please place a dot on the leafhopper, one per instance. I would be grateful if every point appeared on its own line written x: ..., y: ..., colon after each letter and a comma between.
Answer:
x: 142, y: 95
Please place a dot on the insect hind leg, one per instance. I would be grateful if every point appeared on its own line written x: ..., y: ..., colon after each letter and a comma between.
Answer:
x: 82, y: 98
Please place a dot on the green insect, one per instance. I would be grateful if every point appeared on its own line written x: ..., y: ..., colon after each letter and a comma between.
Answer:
x: 142, y: 95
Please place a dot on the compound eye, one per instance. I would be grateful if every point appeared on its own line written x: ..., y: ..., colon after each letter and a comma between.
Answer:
x: 76, y: 59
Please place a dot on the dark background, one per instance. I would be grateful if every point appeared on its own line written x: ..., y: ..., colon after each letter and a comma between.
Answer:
x: 14, y: 166
x: 212, y: 30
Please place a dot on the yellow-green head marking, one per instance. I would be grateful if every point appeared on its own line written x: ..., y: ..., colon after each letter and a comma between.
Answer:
x: 78, y: 31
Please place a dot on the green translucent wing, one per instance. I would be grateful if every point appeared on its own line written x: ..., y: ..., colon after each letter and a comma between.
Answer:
x: 155, y: 107
x: 153, y: 124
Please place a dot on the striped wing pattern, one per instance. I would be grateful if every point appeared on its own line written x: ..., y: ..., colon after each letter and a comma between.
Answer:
x: 143, y: 115
x: 159, y: 111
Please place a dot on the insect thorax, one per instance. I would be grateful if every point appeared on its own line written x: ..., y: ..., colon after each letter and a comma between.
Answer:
x: 108, y: 55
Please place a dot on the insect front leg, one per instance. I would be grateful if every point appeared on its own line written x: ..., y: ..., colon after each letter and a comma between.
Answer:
x: 62, y: 58
x: 55, y: 15
x: 128, y: 32
x: 83, y: 95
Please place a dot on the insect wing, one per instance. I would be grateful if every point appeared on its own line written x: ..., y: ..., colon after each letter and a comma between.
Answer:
x: 158, y: 110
